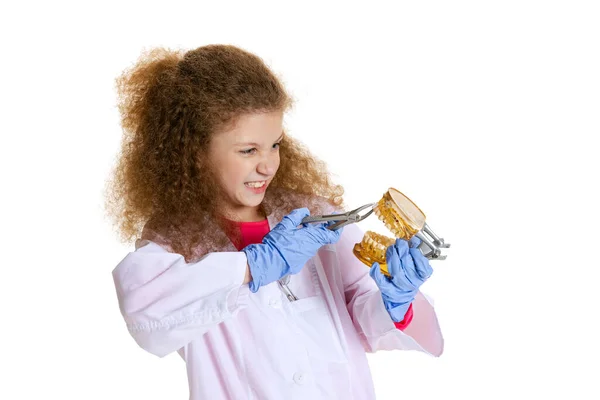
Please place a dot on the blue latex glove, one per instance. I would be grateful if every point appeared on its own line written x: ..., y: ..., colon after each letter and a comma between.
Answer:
x: 409, y: 269
x: 287, y: 247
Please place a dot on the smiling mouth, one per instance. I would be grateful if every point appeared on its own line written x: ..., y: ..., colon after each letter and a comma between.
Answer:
x: 256, y: 184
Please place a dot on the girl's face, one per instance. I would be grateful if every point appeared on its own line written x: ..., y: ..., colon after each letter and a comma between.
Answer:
x: 246, y: 159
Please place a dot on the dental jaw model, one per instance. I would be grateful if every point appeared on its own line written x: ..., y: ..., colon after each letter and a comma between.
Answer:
x: 404, y: 219
x: 401, y: 216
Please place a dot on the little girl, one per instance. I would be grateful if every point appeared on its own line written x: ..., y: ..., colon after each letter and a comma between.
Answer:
x: 258, y: 305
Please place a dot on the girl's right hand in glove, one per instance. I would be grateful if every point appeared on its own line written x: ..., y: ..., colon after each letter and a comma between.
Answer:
x: 286, y: 248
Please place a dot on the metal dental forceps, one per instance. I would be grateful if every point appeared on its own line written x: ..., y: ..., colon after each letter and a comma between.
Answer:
x: 344, y: 219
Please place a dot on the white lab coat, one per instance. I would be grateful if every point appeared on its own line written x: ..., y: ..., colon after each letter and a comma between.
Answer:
x: 260, y: 346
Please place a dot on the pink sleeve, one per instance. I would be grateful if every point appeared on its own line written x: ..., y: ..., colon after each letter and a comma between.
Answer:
x: 407, y: 318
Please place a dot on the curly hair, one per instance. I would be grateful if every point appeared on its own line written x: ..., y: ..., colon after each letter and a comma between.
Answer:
x: 171, y: 103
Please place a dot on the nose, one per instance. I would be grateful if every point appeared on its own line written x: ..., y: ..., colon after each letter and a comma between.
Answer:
x: 268, y: 165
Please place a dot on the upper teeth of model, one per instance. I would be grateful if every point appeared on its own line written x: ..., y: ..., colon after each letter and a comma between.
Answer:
x: 256, y: 184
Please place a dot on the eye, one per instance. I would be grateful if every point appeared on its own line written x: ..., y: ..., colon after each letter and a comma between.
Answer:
x: 276, y: 145
x: 248, y: 151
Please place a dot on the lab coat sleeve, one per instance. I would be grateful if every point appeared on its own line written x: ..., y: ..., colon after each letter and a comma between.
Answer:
x: 166, y: 302
x: 371, y: 320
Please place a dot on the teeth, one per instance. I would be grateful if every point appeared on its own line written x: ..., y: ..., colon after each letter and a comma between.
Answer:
x: 256, y: 184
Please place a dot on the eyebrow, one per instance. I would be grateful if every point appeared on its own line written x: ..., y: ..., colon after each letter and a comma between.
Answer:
x: 256, y: 144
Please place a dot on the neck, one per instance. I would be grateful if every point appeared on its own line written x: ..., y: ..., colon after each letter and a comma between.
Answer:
x: 248, y: 215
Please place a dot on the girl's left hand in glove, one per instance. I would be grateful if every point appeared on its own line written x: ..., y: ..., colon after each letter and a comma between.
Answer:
x: 409, y: 269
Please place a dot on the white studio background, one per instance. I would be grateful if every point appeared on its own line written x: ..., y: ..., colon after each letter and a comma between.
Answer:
x: 484, y: 113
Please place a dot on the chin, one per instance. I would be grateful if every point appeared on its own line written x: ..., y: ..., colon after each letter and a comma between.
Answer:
x: 256, y: 201
x: 252, y: 202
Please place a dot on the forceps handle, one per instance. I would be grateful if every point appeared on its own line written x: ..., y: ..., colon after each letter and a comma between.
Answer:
x: 343, y: 219
x: 326, y: 218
